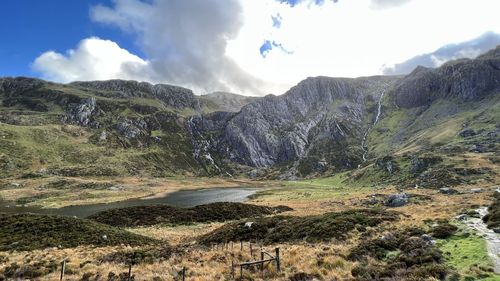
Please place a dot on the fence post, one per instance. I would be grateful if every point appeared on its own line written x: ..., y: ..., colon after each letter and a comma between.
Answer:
x: 184, y: 273
x: 129, y: 272
x: 232, y: 269
x: 241, y: 245
x: 262, y: 259
x: 241, y: 272
x: 277, y: 257
x: 63, y: 267
x: 251, y: 250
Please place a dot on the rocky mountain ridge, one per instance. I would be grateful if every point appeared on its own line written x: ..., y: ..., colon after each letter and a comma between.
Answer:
x: 320, y: 126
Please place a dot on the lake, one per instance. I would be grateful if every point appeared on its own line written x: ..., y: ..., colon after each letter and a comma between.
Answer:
x: 182, y: 198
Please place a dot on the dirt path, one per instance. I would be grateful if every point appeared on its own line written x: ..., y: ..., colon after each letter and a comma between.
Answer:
x: 492, y: 238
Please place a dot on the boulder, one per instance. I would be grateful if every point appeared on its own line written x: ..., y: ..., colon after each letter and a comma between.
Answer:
x: 448, y: 191
x: 397, y: 200
x: 467, y: 133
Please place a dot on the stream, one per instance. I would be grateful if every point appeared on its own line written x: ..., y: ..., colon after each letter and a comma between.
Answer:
x: 492, y: 238
x: 182, y: 198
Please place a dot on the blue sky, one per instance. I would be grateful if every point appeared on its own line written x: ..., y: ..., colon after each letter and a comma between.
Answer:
x: 31, y: 27
x: 250, y: 47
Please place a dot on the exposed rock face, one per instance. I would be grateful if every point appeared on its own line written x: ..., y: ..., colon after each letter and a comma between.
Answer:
x: 174, y: 96
x: 463, y: 80
x: 387, y: 164
x: 318, y: 113
x: 19, y: 84
x: 83, y: 114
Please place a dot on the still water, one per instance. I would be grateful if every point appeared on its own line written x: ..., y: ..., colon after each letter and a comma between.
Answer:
x: 183, y: 198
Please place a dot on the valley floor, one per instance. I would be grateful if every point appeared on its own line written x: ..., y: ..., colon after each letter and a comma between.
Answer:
x: 467, y: 254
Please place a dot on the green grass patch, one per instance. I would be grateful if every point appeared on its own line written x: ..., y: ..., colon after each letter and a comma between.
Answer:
x: 468, y: 256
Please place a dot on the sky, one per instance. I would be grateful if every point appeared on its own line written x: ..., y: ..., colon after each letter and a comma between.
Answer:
x: 250, y: 47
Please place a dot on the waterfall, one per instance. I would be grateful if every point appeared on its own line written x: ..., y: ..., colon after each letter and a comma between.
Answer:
x: 364, y: 145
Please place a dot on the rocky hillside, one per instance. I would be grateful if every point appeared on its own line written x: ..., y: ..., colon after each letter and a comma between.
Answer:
x: 320, y: 126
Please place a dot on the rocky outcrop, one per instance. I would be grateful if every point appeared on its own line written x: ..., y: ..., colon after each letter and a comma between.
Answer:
x: 83, y: 114
x: 173, y: 96
x: 320, y: 115
x: 463, y: 80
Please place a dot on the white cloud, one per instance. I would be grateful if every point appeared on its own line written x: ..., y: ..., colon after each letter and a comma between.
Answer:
x: 210, y: 45
x: 351, y: 38
x: 93, y: 59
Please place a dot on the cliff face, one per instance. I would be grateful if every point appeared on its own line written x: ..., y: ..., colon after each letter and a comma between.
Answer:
x: 463, y: 80
x: 317, y: 113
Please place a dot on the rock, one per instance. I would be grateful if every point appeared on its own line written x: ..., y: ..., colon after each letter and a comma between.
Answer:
x: 417, y: 165
x: 386, y: 163
x: 467, y: 133
x: 133, y: 129
x: 476, y: 190
x: 496, y: 230
x: 83, y: 114
x: 426, y: 237
x: 477, y: 148
x: 104, y: 237
x: 461, y: 217
x: 397, y: 200
x: 103, y: 136
x: 447, y: 190
x: 248, y: 224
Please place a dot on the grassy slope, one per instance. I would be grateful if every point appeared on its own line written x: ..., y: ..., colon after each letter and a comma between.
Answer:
x: 406, y: 130
x: 39, y: 140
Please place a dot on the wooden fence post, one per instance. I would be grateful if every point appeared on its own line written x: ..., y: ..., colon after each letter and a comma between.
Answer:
x: 63, y: 267
x: 262, y: 259
x: 251, y: 250
x: 129, y: 272
x: 241, y: 272
x: 232, y: 269
x: 241, y: 245
x: 184, y: 273
x: 277, y: 257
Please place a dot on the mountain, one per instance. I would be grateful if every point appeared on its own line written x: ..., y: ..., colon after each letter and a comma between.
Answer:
x: 321, y: 126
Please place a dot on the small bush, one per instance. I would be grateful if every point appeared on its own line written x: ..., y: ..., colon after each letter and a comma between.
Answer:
x: 444, y: 230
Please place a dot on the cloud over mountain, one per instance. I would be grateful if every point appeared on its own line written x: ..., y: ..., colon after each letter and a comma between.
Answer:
x: 467, y: 49
x: 93, y: 59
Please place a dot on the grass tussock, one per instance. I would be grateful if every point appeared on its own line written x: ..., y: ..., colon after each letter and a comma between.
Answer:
x: 492, y: 219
